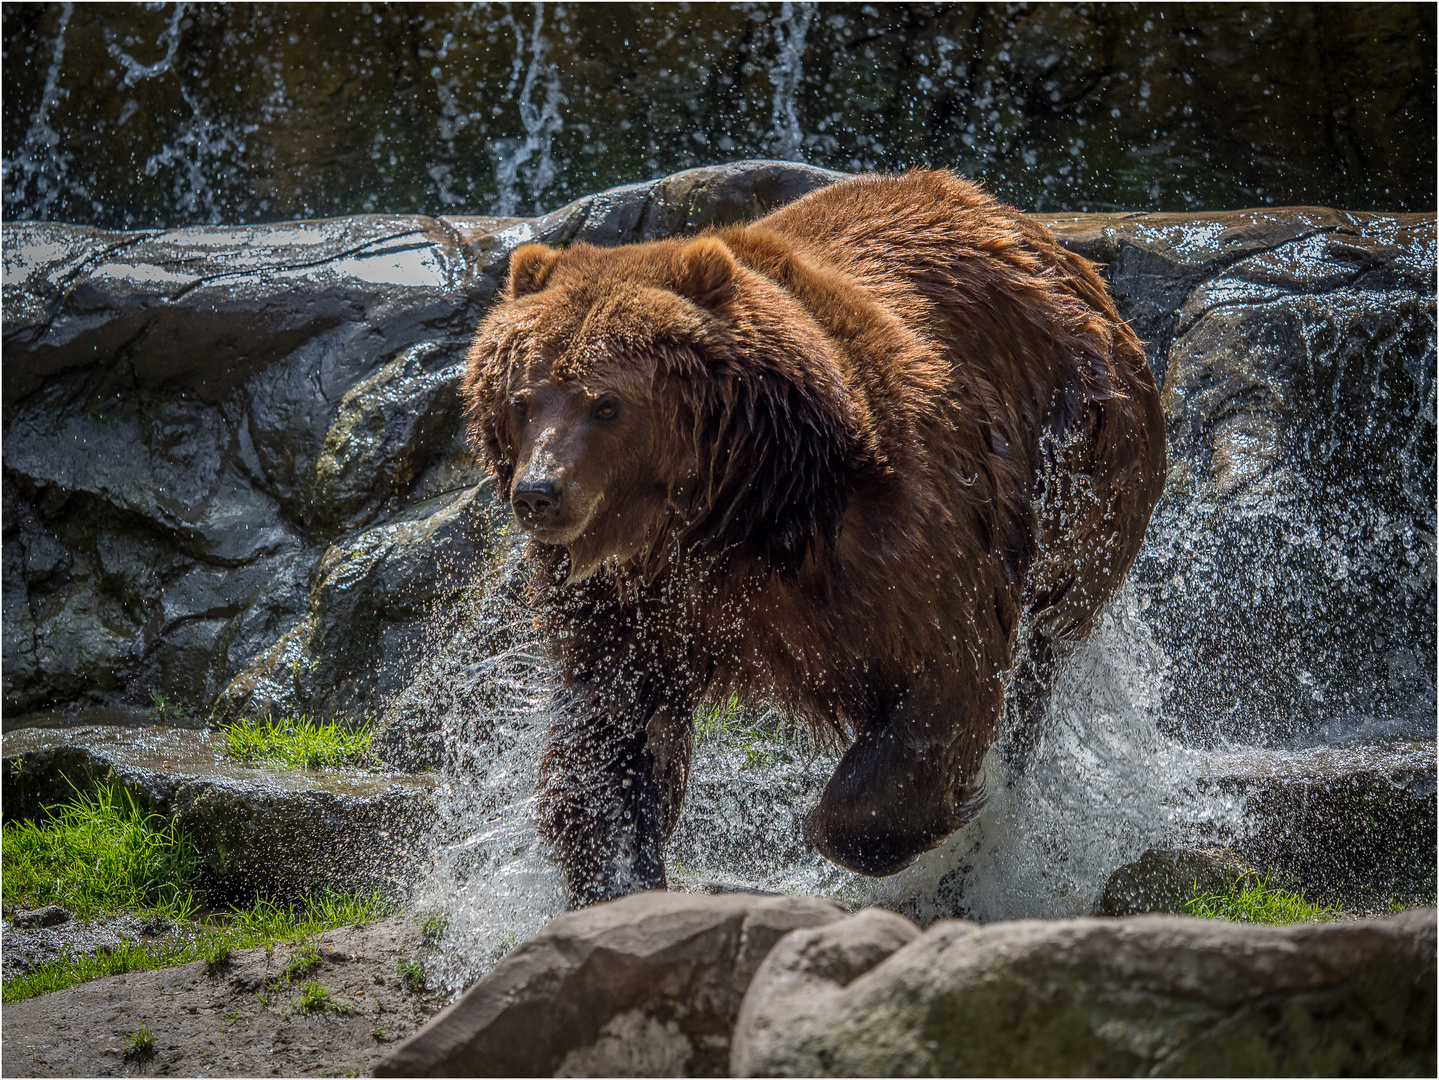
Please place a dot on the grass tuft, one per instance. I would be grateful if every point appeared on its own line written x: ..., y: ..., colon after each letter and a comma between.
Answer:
x: 216, y: 954
x: 1248, y: 900
x: 300, y: 743
x: 305, y: 962
x: 97, y: 854
x: 166, y: 709
x: 412, y: 973
x: 314, y: 997
x: 141, y: 1043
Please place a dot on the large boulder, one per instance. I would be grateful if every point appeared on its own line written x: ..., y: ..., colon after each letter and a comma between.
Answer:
x: 1288, y: 572
x: 254, y: 829
x: 1148, y: 995
x: 235, y: 475
x: 644, y: 986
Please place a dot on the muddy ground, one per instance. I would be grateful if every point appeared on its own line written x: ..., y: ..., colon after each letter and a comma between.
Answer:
x: 243, y: 1019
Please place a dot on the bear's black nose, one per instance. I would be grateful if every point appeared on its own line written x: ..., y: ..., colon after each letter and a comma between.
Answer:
x: 536, y: 502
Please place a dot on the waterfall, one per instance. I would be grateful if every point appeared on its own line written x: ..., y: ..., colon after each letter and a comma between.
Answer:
x: 787, y: 73
x: 541, y: 121
x: 40, y: 161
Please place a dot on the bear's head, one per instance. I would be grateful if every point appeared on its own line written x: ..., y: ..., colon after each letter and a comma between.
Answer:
x: 633, y: 400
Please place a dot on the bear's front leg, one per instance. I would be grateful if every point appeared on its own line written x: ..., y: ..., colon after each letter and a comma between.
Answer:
x: 611, y: 783
x: 903, y: 786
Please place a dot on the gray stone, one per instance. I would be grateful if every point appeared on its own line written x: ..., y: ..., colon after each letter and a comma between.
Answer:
x: 50, y: 915
x: 803, y: 974
x: 1288, y: 571
x: 1148, y: 995
x: 381, y: 597
x: 644, y: 986
x: 272, y: 829
x: 685, y: 203
x: 385, y: 429
x: 1164, y: 879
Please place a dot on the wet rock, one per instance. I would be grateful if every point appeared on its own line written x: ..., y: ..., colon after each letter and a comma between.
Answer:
x: 385, y: 427
x: 710, y: 197
x: 644, y: 986
x: 1152, y: 994
x: 272, y: 830
x: 382, y: 599
x: 50, y: 915
x: 168, y: 397
x: 26, y: 948
x: 1351, y: 825
x: 1288, y: 570
x: 1163, y: 879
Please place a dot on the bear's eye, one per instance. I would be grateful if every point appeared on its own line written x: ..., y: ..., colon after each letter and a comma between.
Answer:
x: 607, y: 408
x: 520, y: 407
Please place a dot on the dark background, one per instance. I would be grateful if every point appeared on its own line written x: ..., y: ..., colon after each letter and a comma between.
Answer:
x: 128, y: 115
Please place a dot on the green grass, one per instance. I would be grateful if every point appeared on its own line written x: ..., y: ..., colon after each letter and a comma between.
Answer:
x: 730, y: 724
x: 305, y: 962
x: 166, y: 709
x: 315, y: 997
x: 300, y: 743
x: 100, y: 855
x: 1248, y: 900
x: 97, y: 854
x: 140, y: 1043
x: 411, y: 973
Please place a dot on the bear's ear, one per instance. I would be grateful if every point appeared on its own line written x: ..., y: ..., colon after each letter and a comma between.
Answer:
x: 530, y: 268
x: 705, y: 272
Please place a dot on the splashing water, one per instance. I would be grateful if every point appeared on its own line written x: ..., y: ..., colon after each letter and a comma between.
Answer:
x: 1100, y: 787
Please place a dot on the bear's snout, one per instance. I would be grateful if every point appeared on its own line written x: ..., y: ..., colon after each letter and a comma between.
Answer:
x: 536, y: 503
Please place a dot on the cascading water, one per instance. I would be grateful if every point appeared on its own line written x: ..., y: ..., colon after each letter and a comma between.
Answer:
x: 541, y: 119
x: 323, y: 110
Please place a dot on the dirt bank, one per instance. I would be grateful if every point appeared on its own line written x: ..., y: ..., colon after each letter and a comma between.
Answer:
x: 246, y: 1018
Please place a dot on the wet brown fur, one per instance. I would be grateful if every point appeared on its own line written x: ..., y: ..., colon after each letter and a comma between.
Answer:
x: 865, y: 451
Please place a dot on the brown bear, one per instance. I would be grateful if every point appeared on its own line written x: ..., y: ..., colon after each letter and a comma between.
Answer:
x: 857, y: 460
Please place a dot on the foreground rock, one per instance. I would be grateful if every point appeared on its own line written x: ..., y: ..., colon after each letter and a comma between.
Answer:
x: 245, y: 1018
x: 644, y: 986
x: 266, y: 829
x: 668, y: 984
x: 1150, y: 995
